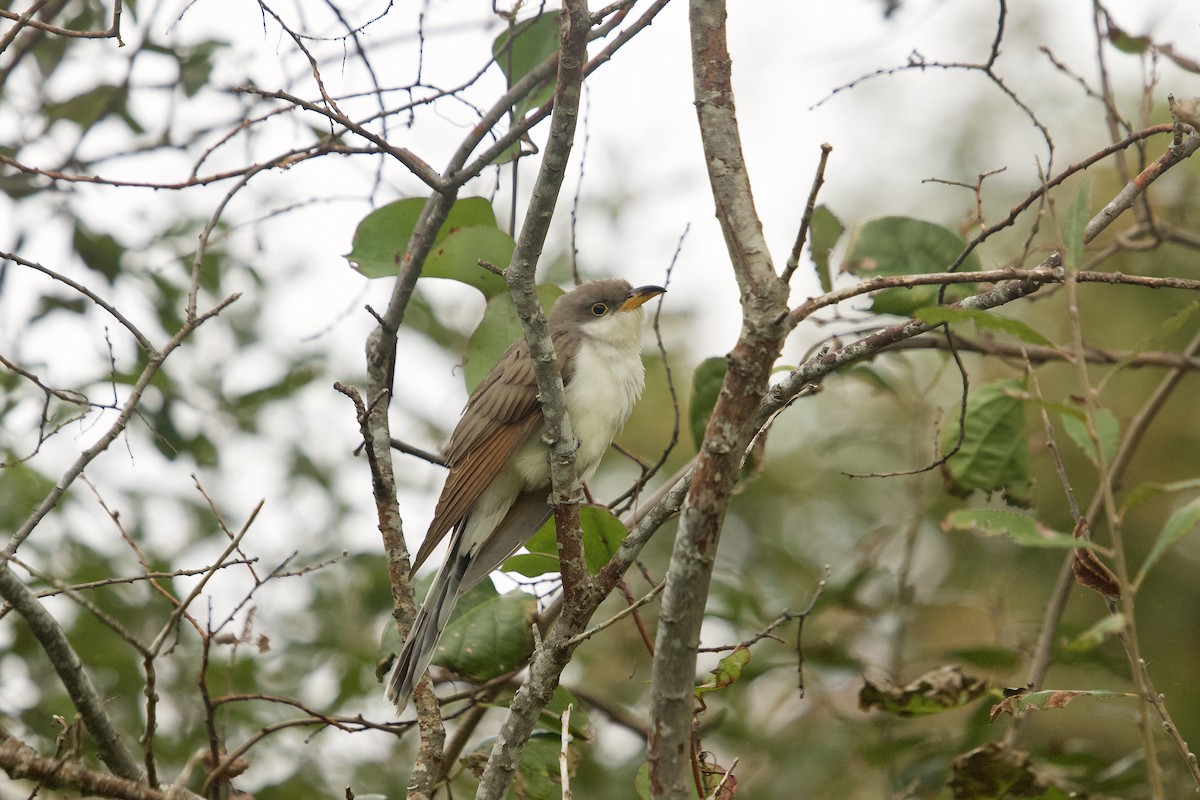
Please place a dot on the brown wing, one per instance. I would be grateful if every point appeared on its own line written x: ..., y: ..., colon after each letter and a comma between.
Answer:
x: 500, y: 416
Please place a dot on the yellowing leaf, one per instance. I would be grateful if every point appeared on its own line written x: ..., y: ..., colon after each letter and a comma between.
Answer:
x: 727, y: 671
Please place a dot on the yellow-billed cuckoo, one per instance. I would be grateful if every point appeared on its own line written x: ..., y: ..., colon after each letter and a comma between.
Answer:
x: 495, y: 496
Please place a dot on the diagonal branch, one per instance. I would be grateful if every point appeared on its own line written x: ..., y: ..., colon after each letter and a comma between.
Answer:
x: 69, y: 667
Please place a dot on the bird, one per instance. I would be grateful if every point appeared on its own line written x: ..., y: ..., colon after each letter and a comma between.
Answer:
x: 496, y: 492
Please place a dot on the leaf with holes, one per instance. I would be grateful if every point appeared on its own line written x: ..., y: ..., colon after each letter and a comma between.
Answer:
x: 942, y: 689
x: 1047, y: 700
x: 994, y: 771
x: 382, y: 238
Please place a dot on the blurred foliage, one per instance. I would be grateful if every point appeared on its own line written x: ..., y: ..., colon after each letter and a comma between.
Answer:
x: 909, y: 577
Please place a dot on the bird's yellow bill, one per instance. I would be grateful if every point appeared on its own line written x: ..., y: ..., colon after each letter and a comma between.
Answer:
x: 640, y: 295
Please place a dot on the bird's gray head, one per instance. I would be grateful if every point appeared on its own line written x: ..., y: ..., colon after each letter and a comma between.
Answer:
x: 608, y: 309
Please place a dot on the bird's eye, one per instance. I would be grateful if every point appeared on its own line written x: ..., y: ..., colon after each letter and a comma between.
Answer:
x: 600, y: 309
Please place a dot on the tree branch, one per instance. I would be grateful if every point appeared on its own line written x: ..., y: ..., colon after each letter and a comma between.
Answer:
x: 21, y: 761
x: 45, y: 628
x: 544, y: 674
x: 75, y: 680
x: 1042, y: 354
x: 732, y: 424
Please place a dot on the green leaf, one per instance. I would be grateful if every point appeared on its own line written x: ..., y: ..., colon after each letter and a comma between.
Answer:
x: 498, y: 329
x: 988, y: 657
x: 545, y: 540
x: 88, y: 108
x: 533, y: 41
x: 1165, y: 329
x: 726, y: 673
x: 984, y: 320
x: 537, y: 776
x: 459, y: 254
x: 20, y: 492
x: 1144, y: 491
x: 247, y: 406
x: 1022, y: 530
x: 196, y: 64
x: 602, y: 535
x: 824, y: 231
x: 995, y: 452
x: 711, y: 775
x: 531, y: 565
x: 939, y: 690
x: 579, y: 723
x: 641, y: 782
x: 706, y: 386
x: 1178, y: 525
x: 870, y: 375
x: 1126, y: 42
x: 906, y: 246
x: 1075, y: 225
x: 1093, y: 637
x: 1108, y: 429
x: 100, y: 252
x: 382, y: 237
x: 488, y: 633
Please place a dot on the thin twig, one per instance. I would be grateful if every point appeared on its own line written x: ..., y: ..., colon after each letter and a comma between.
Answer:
x: 620, y: 615
x: 793, y: 262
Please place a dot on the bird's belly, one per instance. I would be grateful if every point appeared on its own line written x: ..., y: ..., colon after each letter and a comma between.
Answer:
x: 600, y: 398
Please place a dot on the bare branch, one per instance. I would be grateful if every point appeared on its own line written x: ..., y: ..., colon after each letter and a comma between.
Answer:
x: 732, y: 425
x: 793, y: 262
x: 1041, y: 354
x: 22, y: 762
x: 69, y: 668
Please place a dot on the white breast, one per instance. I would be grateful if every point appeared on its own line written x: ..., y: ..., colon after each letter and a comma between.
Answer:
x: 606, y: 382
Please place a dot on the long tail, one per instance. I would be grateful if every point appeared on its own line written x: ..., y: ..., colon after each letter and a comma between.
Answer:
x: 468, y: 562
x: 427, y: 629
